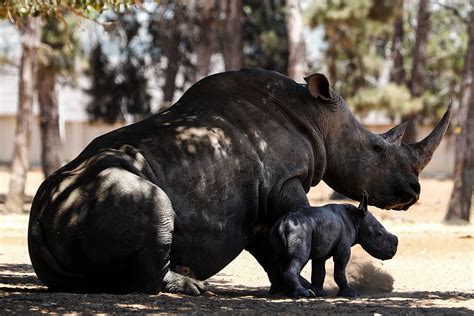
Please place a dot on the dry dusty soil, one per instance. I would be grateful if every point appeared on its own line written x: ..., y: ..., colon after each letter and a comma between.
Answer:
x: 432, y: 273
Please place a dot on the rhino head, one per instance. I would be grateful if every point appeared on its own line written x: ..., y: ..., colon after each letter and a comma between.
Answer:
x: 359, y: 160
x: 372, y: 236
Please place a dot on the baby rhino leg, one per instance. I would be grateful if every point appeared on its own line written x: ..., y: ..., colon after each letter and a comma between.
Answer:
x: 340, y: 264
x: 298, y: 254
x: 292, y: 280
x: 318, y: 273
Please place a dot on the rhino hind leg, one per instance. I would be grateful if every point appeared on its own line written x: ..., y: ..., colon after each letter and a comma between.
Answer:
x: 177, y: 283
x: 263, y: 252
x: 152, y: 274
x: 125, y: 243
x: 149, y: 270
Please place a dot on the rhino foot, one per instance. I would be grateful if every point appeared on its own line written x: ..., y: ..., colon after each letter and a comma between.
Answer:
x: 177, y: 283
x: 348, y: 292
x: 280, y: 288
x: 277, y: 289
x: 319, y: 292
x: 302, y: 292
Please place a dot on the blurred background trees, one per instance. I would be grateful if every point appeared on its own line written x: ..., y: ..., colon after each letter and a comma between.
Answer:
x: 56, y: 61
x: 118, y: 84
x: 459, y: 208
x: 30, y: 27
x: 404, y: 59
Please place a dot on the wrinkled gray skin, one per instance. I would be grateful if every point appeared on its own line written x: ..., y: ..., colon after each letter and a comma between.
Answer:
x: 196, y: 184
x: 319, y: 233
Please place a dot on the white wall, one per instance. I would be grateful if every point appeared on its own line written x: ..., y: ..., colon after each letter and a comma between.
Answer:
x: 77, y: 136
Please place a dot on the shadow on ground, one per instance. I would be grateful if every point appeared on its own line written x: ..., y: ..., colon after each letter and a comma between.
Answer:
x: 21, y: 291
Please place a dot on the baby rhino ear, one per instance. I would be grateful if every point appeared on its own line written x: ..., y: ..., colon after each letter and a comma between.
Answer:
x: 363, y: 204
x: 318, y: 86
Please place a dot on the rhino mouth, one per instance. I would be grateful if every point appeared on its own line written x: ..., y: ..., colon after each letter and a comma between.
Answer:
x: 403, y: 206
x: 398, y: 206
x: 387, y: 256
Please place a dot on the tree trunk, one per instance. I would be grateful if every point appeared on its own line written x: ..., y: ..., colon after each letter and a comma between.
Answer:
x: 398, y: 75
x: 419, y: 64
x: 51, y: 147
x: 459, y: 209
x: 204, y: 50
x: 172, y: 54
x: 332, y: 68
x: 419, y: 50
x: 232, y: 43
x: 205, y: 44
x: 296, y: 44
x: 26, y: 87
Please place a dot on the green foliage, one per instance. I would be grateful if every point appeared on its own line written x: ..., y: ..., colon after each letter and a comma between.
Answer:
x: 447, y: 45
x: 17, y: 8
x: 395, y: 100
x: 59, y: 47
x: 265, y: 36
x: 102, y: 89
x: 357, y: 40
x: 359, y: 35
x: 340, y: 11
x: 119, y: 89
x: 173, y: 23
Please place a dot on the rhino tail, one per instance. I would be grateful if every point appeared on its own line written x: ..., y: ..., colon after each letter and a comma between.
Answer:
x: 47, y: 267
x: 282, y: 232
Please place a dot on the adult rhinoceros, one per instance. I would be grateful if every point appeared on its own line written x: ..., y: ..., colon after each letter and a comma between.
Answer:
x: 196, y: 184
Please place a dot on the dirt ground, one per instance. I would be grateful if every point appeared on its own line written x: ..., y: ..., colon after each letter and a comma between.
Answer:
x: 433, y: 272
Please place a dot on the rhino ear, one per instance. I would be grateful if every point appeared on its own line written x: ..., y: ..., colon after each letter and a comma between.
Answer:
x: 363, y: 204
x: 318, y: 86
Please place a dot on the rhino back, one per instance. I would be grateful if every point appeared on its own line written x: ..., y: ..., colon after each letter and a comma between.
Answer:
x: 215, y: 136
x: 329, y: 232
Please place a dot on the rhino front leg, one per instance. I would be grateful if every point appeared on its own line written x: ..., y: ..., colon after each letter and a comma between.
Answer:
x: 290, y: 197
x: 340, y: 264
x: 261, y: 249
x: 318, y: 273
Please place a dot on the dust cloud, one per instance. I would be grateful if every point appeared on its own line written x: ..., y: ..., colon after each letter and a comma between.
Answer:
x: 364, y: 274
x: 368, y: 277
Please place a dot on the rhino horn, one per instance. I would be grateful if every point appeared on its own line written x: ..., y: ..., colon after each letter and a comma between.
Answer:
x: 395, y: 134
x: 424, y: 149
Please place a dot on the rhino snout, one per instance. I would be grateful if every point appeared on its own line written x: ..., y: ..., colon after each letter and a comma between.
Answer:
x: 394, y: 247
x: 391, y: 249
x: 415, y: 186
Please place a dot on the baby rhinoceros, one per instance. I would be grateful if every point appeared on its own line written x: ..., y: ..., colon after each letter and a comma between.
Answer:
x: 318, y: 233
